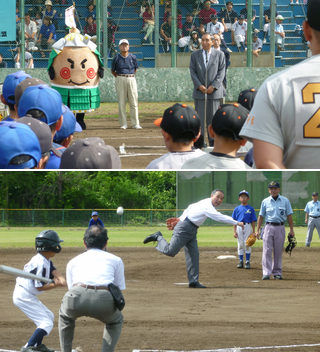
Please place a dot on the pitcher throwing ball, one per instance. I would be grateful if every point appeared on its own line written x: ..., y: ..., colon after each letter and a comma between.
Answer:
x: 185, y: 231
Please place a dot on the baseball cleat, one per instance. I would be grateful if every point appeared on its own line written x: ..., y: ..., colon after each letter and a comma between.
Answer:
x: 40, y: 348
x: 278, y: 277
x: 240, y: 265
x: 265, y: 277
x: 153, y: 237
x: 196, y: 285
x: 247, y: 266
x: 307, y: 245
x: 137, y: 127
x: 123, y: 127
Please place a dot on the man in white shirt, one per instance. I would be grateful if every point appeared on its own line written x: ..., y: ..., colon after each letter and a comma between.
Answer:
x: 28, y: 58
x: 239, y: 33
x: 256, y: 45
x: 185, y: 230
x: 279, y: 33
x: 30, y: 30
x: 88, y: 277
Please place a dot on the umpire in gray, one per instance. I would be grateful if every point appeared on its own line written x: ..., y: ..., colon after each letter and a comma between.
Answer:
x: 313, y: 209
x: 88, y: 276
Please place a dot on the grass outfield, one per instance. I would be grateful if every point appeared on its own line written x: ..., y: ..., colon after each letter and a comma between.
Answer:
x: 218, y: 236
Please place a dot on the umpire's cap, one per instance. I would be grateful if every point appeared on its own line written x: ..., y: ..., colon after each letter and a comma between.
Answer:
x: 315, y: 193
x: 274, y: 184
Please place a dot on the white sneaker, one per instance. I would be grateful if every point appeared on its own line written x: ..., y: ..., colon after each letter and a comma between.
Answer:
x: 230, y: 51
x: 264, y: 41
x: 137, y: 127
x: 245, y: 49
x: 256, y: 30
x: 124, y: 127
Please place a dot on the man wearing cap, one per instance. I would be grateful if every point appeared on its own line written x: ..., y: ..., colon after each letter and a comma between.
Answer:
x: 256, y: 45
x: 313, y: 210
x: 215, y: 27
x: 239, y: 33
x: 207, y: 70
x: 180, y: 127
x: 267, y: 19
x: 19, y: 147
x: 124, y: 67
x: 283, y: 123
x: 90, y: 153
x: 279, y: 33
x: 225, y: 128
x: 8, y: 92
x: 275, y: 209
x: 187, y: 28
x: 95, y: 220
x: 185, y: 230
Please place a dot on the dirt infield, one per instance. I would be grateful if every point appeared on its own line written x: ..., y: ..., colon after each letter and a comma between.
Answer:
x: 141, y: 146
x: 237, y: 310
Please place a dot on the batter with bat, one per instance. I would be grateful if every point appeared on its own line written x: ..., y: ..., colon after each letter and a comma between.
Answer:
x: 185, y: 230
x: 26, y: 290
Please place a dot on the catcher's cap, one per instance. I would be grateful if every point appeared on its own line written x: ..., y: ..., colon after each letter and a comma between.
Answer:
x: 246, y: 97
x: 229, y: 119
x: 244, y: 192
x: 94, y: 213
x: 274, y: 184
x: 180, y: 121
x: 315, y: 193
x: 313, y: 14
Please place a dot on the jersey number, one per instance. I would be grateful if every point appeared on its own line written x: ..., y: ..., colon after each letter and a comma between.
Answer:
x: 311, y: 128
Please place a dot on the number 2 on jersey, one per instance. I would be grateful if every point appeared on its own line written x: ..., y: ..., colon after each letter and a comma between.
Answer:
x: 311, y: 128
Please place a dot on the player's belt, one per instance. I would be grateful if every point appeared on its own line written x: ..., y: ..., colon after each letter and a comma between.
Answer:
x: 189, y: 221
x: 314, y: 217
x: 247, y: 223
x: 92, y: 287
x: 275, y: 223
x: 125, y: 75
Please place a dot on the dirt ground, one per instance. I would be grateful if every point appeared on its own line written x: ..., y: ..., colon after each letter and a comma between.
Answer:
x: 141, y: 146
x: 237, y: 309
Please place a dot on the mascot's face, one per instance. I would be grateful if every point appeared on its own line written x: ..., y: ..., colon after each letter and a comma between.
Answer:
x: 76, y: 66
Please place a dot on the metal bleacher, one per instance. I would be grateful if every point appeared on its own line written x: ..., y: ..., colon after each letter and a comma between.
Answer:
x: 130, y: 25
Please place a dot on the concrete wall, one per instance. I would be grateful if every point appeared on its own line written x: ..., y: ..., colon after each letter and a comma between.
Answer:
x: 169, y: 84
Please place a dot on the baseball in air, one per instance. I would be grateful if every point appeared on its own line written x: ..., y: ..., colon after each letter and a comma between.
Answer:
x: 120, y: 211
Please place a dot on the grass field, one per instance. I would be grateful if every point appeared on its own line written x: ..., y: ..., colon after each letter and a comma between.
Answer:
x: 219, y: 236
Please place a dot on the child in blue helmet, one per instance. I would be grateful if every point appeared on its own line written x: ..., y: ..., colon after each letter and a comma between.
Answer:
x: 95, y: 220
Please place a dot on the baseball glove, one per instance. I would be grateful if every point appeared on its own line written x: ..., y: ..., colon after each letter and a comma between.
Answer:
x: 172, y: 222
x: 292, y: 242
x: 251, y: 240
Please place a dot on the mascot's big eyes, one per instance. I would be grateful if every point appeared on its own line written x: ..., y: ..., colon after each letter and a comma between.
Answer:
x: 65, y: 73
x: 91, y: 73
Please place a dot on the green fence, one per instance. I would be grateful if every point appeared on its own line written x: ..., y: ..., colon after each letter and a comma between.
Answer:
x: 81, y: 217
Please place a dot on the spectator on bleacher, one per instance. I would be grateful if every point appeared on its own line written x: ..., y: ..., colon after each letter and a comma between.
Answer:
x: 90, y: 12
x: 244, y: 12
x: 8, y: 92
x: 30, y: 30
x: 194, y: 42
x: 239, y: 33
x: 165, y: 32
x: 148, y: 23
x: 215, y: 27
x: 279, y: 34
x: 3, y: 64
x: 38, y: 21
x: 187, y: 28
x: 167, y: 12
x: 51, y: 13
x: 256, y: 45
x: 216, y: 41
x: 205, y: 13
x: 267, y: 19
x: 112, y: 28
x: 27, y: 57
x: 47, y: 35
x: 228, y: 16
x: 90, y: 28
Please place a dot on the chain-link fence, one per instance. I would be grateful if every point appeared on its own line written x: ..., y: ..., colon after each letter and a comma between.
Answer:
x: 147, y: 26
x: 81, y: 217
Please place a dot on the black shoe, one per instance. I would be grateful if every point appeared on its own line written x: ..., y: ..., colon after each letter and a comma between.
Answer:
x: 247, y: 266
x: 152, y: 238
x: 265, y: 277
x: 240, y: 265
x: 196, y: 285
x: 278, y: 277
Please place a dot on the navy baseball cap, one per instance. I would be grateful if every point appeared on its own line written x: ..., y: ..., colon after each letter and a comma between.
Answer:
x: 23, y: 85
x: 229, y: 119
x: 18, y: 139
x: 246, y: 97
x: 180, y: 121
x: 313, y: 14
x: 69, y: 125
x: 244, y: 192
x: 214, y: 16
x: 241, y: 17
x: 10, y: 83
x: 315, y: 193
x: 90, y: 153
x: 94, y: 213
x: 43, y: 98
x: 274, y: 184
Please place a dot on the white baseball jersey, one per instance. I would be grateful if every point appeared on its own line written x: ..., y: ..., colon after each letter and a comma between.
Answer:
x: 215, y: 28
x: 209, y: 161
x: 174, y: 160
x: 257, y: 44
x: 240, y: 29
x: 286, y: 113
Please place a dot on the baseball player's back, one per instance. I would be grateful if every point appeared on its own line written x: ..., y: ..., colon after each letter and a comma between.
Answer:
x: 210, y: 161
x: 285, y: 113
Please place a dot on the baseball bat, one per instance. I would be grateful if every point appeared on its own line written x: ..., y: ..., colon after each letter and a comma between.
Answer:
x: 17, y: 272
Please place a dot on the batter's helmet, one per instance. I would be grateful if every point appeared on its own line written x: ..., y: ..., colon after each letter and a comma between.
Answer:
x: 48, y: 240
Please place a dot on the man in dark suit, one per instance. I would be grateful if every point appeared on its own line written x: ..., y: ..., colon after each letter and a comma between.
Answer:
x: 207, y: 69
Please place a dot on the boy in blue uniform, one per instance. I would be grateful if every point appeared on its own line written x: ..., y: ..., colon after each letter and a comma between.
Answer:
x: 95, y: 220
x: 246, y: 214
